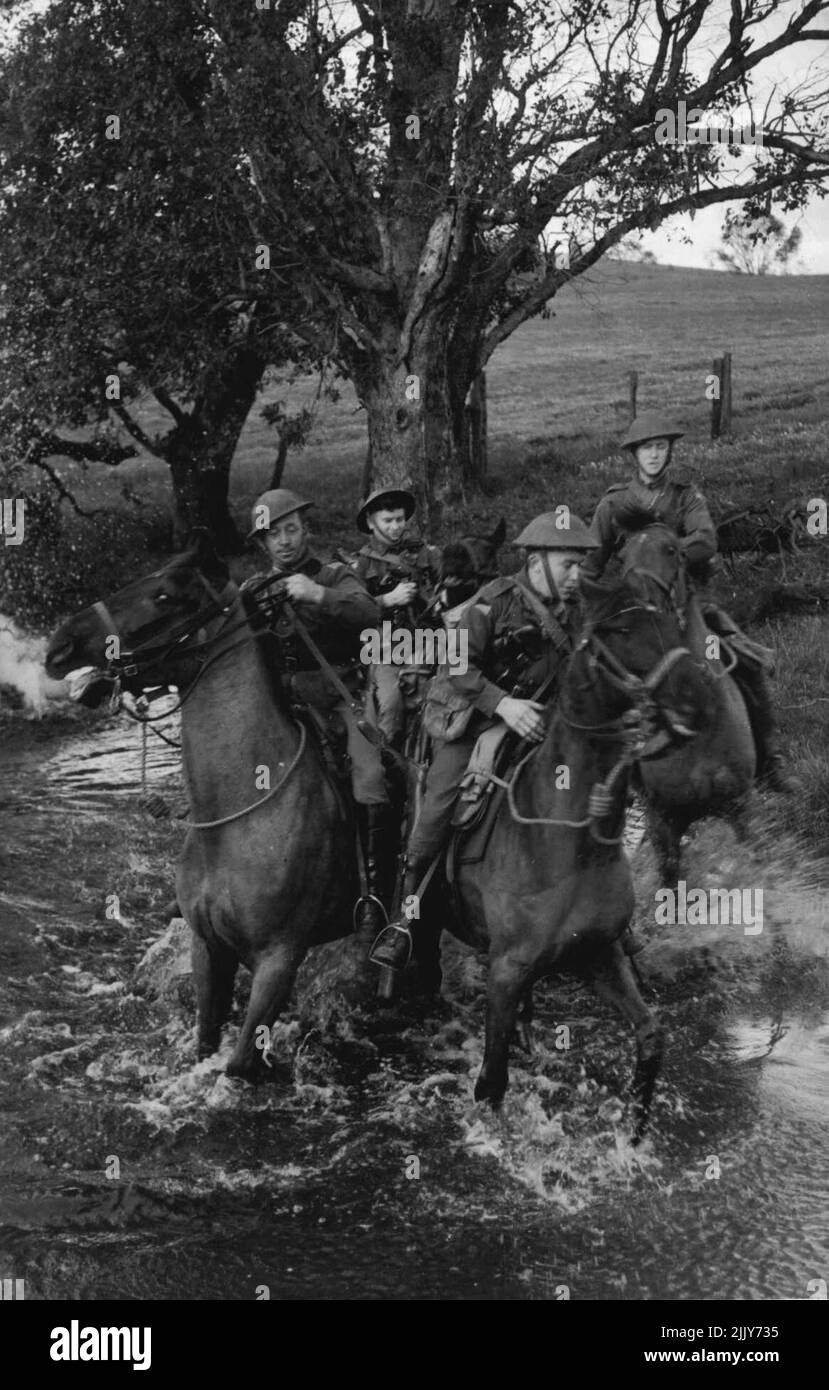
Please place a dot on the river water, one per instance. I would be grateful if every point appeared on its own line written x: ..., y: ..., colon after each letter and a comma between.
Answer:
x: 128, y: 1170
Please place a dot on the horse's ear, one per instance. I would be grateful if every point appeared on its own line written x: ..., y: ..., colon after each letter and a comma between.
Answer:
x: 499, y: 535
x: 203, y: 549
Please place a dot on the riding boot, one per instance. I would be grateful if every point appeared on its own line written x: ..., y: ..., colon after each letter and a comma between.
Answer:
x: 771, y: 764
x: 393, y: 947
x: 377, y: 829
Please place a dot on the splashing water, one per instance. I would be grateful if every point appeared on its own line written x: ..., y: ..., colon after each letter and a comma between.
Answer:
x: 21, y: 668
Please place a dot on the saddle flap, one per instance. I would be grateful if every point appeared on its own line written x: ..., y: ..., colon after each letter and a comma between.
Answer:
x: 476, y: 783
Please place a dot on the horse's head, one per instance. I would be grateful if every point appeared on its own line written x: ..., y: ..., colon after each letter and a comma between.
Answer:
x: 145, y: 633
x: 631, y: 656
x: 469, y: 562
x: 653, y: 564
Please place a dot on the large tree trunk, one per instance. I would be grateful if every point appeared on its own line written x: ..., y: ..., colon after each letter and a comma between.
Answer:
x: 418, y: 437
x: 200, y: 450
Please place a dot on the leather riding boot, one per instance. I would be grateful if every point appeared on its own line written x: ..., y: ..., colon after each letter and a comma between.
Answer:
x: 393, y: 947
x: 377, y: 826
x: 771, y: 764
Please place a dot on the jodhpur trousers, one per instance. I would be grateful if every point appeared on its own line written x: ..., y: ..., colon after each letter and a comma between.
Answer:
x: 431, y: 829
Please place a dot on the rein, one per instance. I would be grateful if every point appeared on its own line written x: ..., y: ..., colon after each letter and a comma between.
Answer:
x: 126, y: 665
x: 627, y: 729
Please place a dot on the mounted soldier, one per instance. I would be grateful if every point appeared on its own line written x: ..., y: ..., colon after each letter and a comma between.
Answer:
x: 679, y: 504
x: 334, y: 607
x: 518, y: 632
x: 400, y: 573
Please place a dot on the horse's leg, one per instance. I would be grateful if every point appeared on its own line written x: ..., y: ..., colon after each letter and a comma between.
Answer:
x: 509, y: 980
x: 214, y: 970
x: 524, y: 1020
x: 273, y: 978
x: 665, y: 836
x: 613, y: 980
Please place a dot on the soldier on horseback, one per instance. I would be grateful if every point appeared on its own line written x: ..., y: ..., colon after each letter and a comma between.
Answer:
x: 519, y: 631
x: 400, y: 574
x: 334, y: 607
x: 680, y: 505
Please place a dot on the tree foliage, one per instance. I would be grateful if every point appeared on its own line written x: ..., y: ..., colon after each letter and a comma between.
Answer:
x: 385, y: 186
x: 758, y: 245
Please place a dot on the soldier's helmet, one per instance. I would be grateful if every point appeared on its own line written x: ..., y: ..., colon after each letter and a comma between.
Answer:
x: 389, y: 497
x: 558, y: 530
x: 279, y: 502
x: 651, y: 424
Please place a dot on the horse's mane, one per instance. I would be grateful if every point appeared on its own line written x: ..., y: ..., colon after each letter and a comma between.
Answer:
x: 269, y: 646
x: 632, y: 518
x: 604, y: 603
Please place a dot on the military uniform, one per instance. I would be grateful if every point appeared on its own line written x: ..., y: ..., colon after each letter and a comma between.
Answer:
x: 381, y: 567
x: 516, y: 643
x: 508, y: 654
x: 335, y: 626
x: 679, y: 504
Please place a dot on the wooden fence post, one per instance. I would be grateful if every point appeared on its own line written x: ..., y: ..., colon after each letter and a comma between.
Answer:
x: 725, y: 395
x: 633, y: 387
x: 716, y: 403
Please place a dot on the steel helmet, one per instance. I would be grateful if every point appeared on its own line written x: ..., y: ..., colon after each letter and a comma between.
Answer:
x: 391, y: 497
x: 278, y: 502
x: 651, y: 424
x: 558, y: 530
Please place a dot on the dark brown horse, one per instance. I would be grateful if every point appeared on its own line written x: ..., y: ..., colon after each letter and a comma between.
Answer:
x: 268, y: 866
x: 711, y: 775
x: 553, y: 891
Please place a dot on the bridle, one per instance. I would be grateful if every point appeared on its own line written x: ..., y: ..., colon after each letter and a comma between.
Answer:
x: 146, y: 655
x: 636, y: 729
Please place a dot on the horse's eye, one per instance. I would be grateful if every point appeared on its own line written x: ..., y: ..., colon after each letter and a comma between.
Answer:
x: 163, y: 598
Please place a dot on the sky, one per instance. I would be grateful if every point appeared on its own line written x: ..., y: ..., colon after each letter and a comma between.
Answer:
x: 668, y: 246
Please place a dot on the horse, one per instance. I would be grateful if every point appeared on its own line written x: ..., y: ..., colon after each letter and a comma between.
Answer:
x: 712, y: 775
x: 268, y: 868
x: 553, y: 890
x: 468, y: 562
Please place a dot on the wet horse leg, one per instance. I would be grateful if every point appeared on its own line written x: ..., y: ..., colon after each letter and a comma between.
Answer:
x: 613, y: 980
x: 214, y: 970
x: 509, y: 980
x: 665, y: 836
x: 524, y: 1020
x: 273, y: 978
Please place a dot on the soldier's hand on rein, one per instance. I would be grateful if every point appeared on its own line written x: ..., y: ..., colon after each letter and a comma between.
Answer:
x: 302, y: 589
x: 524, y: 717
x: 399, y: 596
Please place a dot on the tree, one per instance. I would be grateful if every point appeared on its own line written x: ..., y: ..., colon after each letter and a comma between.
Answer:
x: 380, y: 181
x: 757, y: 246
x: 122, y: 222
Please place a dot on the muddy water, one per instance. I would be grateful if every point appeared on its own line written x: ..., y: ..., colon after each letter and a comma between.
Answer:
x: 129, y: 1170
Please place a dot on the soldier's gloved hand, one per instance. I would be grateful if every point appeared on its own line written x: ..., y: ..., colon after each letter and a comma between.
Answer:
x: 400, y: 595
x: 302, y: 589
x: 524, y: 717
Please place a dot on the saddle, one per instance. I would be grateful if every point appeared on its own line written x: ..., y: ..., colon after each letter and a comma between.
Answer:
x: 326, y: 733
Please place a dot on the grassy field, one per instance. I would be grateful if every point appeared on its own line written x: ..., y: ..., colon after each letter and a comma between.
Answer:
x: 557, y: 407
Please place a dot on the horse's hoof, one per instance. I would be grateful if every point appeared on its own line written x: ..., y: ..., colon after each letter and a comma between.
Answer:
x: 492, y: 1091
x: 258, y: 1073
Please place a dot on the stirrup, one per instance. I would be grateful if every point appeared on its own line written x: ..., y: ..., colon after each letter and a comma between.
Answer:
x: 367, y: 898
x: 388, y: 939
